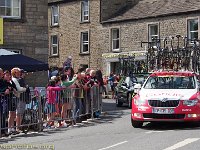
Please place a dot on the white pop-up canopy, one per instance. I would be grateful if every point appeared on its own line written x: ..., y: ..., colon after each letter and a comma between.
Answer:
x: 6, y: 52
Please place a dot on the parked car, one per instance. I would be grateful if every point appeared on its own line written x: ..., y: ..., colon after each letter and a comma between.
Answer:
x: 124, y: 91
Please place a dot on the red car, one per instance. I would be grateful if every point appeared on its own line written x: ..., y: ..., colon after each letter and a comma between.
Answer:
x: 167, y: 96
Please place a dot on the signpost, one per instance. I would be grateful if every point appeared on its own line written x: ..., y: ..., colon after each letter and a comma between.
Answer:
x: 1, y: 31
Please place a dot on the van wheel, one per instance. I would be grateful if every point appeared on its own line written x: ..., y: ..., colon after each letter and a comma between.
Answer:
x: 136, y: 124
x: 129, y: 100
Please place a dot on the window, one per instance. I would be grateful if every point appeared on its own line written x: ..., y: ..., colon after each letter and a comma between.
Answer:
x: 10, y: 8
x: 193, y: 29
x: 54, y: 45
x: 54, y: 15
x: 115, y: 39
x: 153, y: 34
x: 84, y: 42
x: 84, y: 11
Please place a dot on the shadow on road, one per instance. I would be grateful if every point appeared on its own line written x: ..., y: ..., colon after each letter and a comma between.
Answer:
x: 110, y: 105
x: 172, y: 126
x: 110, y: 113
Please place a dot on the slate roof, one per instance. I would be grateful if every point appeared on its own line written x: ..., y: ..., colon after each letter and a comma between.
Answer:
x: 155, y: 8
x: 53, y: 1
x: 58, y: 1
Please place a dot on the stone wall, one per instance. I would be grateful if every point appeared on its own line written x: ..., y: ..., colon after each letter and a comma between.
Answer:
x: 30, y: 34
x: 69, y: 31
x: 133, y: 32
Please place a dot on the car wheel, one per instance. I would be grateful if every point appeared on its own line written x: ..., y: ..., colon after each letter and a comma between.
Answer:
x: 118, y: 104
x: 129, y: 100
x: 136, y: 124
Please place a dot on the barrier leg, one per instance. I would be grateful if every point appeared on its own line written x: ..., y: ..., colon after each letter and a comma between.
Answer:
x: 0, y: 122
x: 92, y: 106
x: 40, y: 122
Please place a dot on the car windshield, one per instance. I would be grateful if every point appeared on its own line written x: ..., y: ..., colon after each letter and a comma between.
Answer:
x: 170, y: 82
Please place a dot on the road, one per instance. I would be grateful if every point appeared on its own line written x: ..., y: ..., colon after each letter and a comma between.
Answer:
x: 113, y: 131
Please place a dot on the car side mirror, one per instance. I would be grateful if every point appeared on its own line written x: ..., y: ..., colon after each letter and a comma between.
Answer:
x: 137, y: 88
x: 198, y: 85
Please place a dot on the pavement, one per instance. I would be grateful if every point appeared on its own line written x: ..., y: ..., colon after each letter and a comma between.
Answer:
x: 113, y: 131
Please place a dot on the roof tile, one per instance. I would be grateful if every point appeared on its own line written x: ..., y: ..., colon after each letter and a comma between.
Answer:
x: 154, y: 8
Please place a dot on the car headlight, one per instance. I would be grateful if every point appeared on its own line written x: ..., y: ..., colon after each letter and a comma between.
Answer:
x: 139, y: 102
x: 190, y: 102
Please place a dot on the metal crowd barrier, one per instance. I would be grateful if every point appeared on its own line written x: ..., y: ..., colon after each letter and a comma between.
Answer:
x: 18, y: 110
x: 34, y: 110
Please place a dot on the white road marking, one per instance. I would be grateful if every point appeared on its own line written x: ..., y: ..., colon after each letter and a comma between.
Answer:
x: 182, y: 143
x: 113, y: 145
x: 149, y: 132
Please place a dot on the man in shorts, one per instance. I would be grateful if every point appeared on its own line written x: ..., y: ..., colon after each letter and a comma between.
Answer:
x: 18, y: 75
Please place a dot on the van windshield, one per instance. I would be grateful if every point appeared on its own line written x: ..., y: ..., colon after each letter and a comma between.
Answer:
x: 170, y: 82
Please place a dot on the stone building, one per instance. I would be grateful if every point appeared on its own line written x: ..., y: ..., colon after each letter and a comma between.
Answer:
x: 96, y: 32
x: 73, y: 29
x: 25, y: 31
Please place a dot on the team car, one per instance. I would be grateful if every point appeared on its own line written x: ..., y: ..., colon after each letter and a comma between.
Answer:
x: 167, y: 96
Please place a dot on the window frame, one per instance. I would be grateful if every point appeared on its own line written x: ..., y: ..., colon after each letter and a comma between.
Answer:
x: 54, y: 45
x: 117, y: 39
x: 82, y: 42
x: 150, y: 36
x: 12, y: 8
x: 188, y: 28
x: 52, y: 15
x: 83, y: 10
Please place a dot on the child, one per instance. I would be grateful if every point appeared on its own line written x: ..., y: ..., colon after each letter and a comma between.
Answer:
x: 66, y: 99
x: 50, y: 107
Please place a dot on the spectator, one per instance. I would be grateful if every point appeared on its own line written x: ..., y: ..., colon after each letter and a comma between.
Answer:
x: 87, y: 71
x: 105, y: 82
x: 66, y: 103
x: 79, y: 85
x: 99, y: 78
x: 92, y: 79
x: 6, y: 100
x: 111, y: 80
x: 1, y: 80
x: 20, y: 103
x: 24, y: 99
x: 50, y: 107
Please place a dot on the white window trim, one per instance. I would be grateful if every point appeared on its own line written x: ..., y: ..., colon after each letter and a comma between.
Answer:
x: 149, y: 32
x: 54, y: 45
x: 52, y: 16
x: 111, y: 35
x: 20, y: 9
x: 82, y: 12
x: 188, y: 28
x: 81, y: 42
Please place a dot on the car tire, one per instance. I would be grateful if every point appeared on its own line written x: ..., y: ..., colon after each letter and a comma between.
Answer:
x: 136, y: 124
x: 118, y: 104
x: 129, y: 100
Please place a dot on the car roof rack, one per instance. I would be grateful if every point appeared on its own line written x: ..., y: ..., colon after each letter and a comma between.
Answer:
x: 173, y: 54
